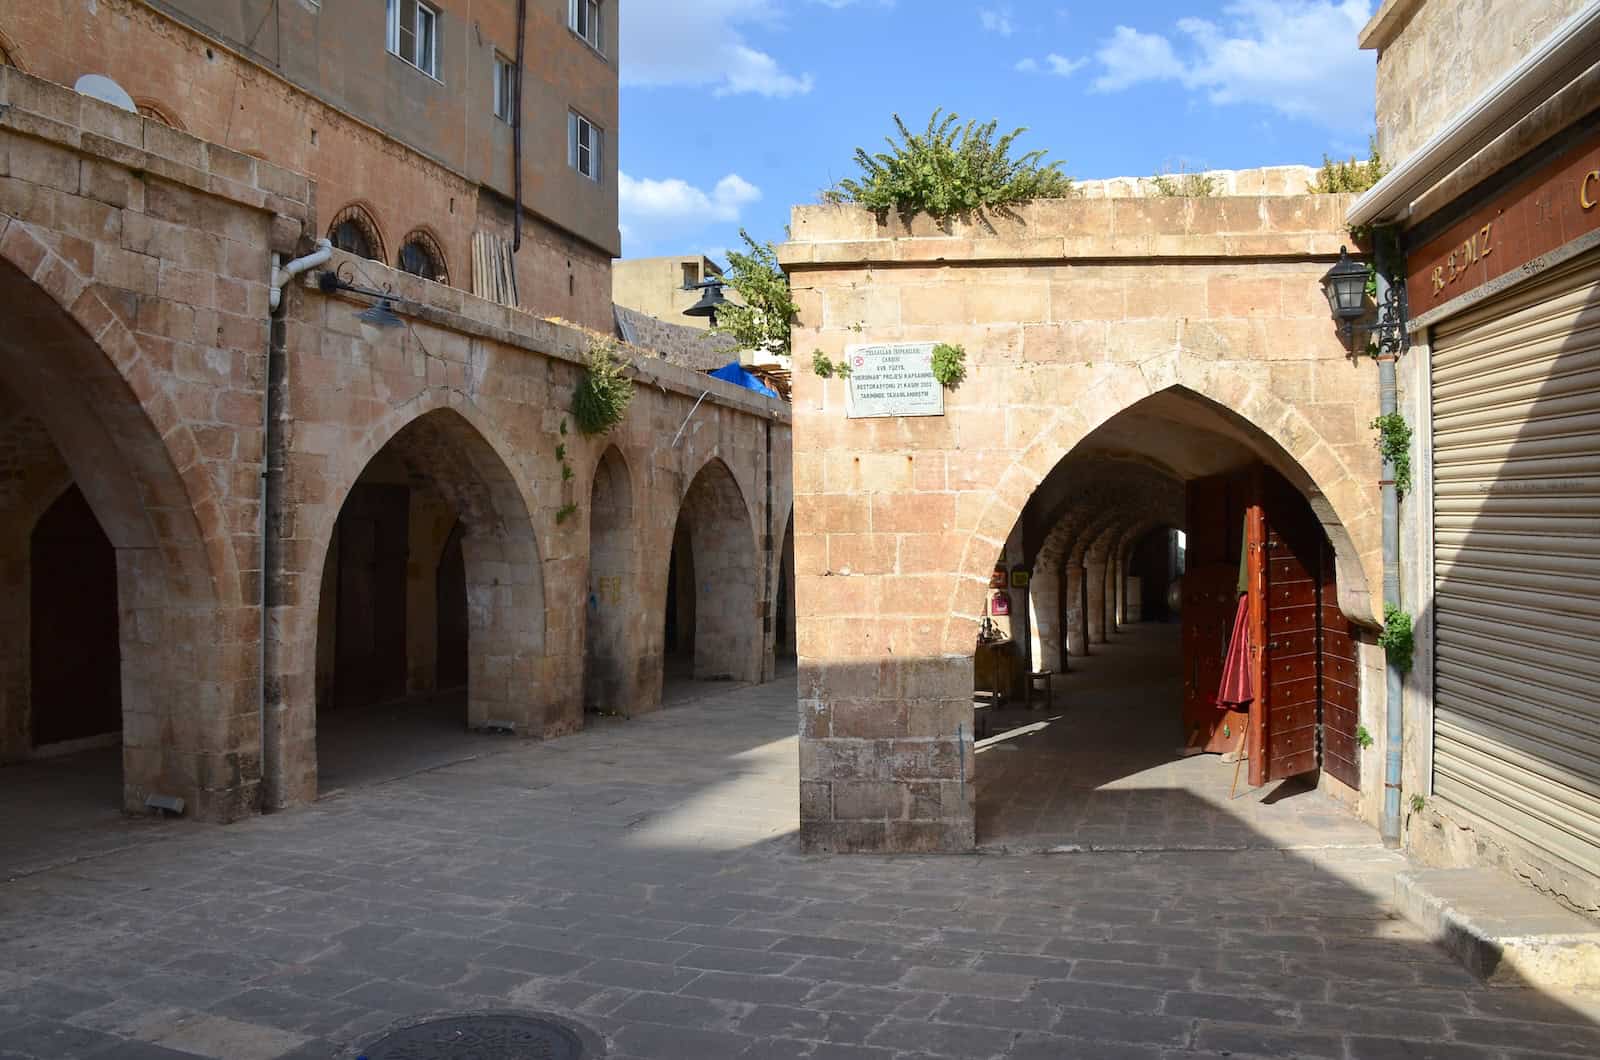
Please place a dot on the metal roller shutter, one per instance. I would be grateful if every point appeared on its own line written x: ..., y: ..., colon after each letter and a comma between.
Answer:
x: 1516, y: 481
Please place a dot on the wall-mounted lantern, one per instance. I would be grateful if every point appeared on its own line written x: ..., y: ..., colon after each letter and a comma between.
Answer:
x: 1345, y: 286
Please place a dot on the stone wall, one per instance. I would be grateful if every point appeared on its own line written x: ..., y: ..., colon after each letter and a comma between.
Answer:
x: 1436, y: 56
x: 134, y: 266
x: 1071, y: 313
x: 1263, y: 180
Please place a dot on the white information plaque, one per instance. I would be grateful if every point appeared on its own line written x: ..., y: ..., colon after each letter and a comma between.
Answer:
x: 892, y: 380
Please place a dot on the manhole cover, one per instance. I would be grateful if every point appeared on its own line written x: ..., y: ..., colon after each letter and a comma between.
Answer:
x: 486, y: 1036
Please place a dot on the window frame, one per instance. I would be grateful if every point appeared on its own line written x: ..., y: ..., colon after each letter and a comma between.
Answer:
x: 425, y: 29
x: 592, y: 13
x: 504, y: 88
x: 596, y: 147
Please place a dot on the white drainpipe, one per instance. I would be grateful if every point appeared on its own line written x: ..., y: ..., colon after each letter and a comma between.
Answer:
x: 281, y: 276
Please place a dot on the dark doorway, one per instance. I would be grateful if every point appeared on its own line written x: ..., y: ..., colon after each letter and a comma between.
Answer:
x: 451, y: 620
x: 1152, y: 564
x: 370, y: 665
x: 74, y: 643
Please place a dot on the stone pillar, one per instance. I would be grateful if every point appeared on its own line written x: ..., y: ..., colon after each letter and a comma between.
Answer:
x: 1044, y: 610
x: 1095, y: 574
x: 1077, y: 638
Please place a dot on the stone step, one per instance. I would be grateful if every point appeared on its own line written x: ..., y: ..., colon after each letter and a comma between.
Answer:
x: 1502, y: 931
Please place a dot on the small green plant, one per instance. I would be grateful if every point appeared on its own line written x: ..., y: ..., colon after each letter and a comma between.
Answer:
x: 950, y: 169
x: 561, y: 450
x: 1396, y: 640
x: 1363, y: 737
x: 1394, y: 442
x: 1183, y: 184
x: 1352, y: 176
x: 600, y: 399
x: 1417, y: 803
x: 949, y: 365
x: 566, y: 472
x: 565, y: 512
x: 826, y: 368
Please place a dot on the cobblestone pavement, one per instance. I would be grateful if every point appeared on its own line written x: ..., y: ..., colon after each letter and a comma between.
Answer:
x: 641, y: 879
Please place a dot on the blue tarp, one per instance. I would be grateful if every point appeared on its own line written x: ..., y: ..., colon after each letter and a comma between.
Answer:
x: 733, y: 372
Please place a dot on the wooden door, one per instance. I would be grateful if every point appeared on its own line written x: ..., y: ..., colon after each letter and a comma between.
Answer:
x: 74, y: 641
x: 1291, y: 563
x: 1210, y: 599
x: 373, y: 544
x: 1341, y: 714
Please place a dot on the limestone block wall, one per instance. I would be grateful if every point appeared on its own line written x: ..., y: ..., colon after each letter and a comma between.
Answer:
x: 1070, y: 312
x: 1436, y: 56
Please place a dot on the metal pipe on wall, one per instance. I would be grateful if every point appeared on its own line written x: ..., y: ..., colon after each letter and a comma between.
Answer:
x: 1394, y: 696
x: 516, y: 137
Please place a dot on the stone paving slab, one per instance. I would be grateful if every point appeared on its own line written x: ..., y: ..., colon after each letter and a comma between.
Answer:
x: 642, y: 879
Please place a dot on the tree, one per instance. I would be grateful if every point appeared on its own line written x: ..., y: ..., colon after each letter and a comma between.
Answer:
x: 950, y: 169
x: 763, y: 321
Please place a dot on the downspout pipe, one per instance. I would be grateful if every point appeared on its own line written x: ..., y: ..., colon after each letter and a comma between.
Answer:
x: 1394, y: 695
x: 282, y: 275
x: 516, y: 137
x: 271, y: 442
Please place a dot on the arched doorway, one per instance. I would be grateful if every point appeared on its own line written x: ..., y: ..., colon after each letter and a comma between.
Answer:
x: 431, y: 616
x: 712, y: 622
x: 608, y: 686
x: 783, y: 639
x: 1172, y: 488
x: 94, y: 504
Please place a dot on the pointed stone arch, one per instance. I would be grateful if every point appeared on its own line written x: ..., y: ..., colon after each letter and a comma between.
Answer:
x: 1281, y: 435
x: 611, y: 635
x: 445, y: 442
x: 103, y: 403
x: 726, y: 590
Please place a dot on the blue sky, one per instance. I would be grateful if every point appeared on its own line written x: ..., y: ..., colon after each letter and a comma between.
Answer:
x: 734, y: 110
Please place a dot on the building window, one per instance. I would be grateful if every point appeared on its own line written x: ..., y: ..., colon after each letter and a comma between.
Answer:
x: 585, y: 18
x: 585, y: 146
x: 420, y: 255
x: 691, y: 274
x: 354, y: 232
x: 505, y: 87
x: 148, y: 108
x: 414, y: 34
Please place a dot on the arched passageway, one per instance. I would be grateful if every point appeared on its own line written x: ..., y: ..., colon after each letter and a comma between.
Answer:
x: 1172, y: 492
x: 783, y: 639
x: 609, y: 650
x: 431, y: 614
x: 115, y: 616
x: 712, y: 621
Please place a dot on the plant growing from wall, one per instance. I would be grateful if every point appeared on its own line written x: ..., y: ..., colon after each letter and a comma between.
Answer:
x: 1417, y: 803
x: 950, y: 169
x: 949, y: 365
x: 1363, y: 737
x: 767, y: 312
x: 1352, y: 176
x: 565, y: 512
x: 1394, y: 442
x: 826, y: 368
x: 1396, y: 640
x: 1183, y: 184
x: 600, y: 399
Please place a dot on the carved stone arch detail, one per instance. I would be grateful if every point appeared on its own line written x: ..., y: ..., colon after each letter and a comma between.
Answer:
x: 10, y: 54
x: 357, y: 218
x: 155, y: 110
x: 419, y: 246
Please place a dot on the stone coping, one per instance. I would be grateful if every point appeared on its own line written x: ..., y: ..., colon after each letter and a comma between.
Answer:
x: 1266, y: 226
x: 467, y: 314
x: 32, y: 106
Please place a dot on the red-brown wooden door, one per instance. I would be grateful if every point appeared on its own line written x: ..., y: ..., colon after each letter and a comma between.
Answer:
x: 1210, y: 599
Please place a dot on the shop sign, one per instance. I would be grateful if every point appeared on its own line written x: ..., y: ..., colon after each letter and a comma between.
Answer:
x: 894, y: 379
x: 1542, y: 212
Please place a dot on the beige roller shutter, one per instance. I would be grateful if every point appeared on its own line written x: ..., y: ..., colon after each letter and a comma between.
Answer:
x: 1516, y: 449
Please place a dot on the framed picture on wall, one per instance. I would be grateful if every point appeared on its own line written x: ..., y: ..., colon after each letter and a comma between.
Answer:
x: 1019, y: 577
x: 1000, y: 605
x: 997, y: 580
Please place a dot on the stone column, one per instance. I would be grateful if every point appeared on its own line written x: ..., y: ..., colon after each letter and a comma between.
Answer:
x: 1095, y: 573
x: 1077, y: 640
x: 1044, y: 609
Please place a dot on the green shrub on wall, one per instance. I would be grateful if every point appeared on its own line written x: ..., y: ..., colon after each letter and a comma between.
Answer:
x: 949, y: 365
x: 1397, y: 640
x: 1394, y: 442
x: 600, y: 399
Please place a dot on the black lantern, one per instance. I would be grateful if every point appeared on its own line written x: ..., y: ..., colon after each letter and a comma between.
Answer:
x: 1346, y: 287
x: 711, y: 300
x: 380, y: 314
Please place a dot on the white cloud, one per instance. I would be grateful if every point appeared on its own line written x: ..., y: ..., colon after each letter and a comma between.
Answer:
x: 1298, y: 57
x: 666, y: 209
x: 1058, y: 65
x: 700, y: 44
x: 996, y: 20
